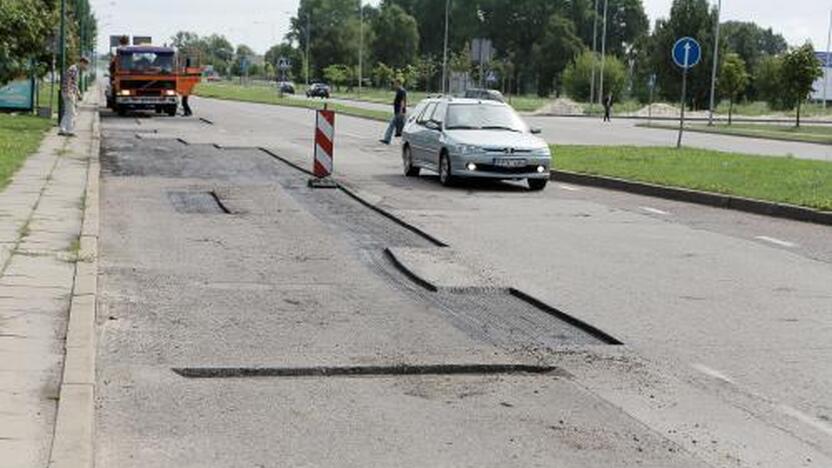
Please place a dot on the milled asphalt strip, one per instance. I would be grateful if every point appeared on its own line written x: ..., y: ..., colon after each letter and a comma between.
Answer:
x: 73, y: 440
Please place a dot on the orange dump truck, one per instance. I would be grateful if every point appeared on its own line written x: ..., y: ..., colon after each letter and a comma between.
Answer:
x: 149, y: 78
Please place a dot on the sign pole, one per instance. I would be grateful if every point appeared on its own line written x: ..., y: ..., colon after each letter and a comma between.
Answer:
x: 686, y: 54
x: 682, y: 117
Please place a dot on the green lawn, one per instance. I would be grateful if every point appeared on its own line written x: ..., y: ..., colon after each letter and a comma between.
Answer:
x: 786, y: 180
x: 821, y: 134
x: 20, y: 136
x: 268, y: 95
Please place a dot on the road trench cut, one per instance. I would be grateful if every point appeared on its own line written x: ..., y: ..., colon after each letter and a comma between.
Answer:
x: 410, y: 261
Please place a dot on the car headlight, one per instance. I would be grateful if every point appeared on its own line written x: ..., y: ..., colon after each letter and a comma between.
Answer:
x: 170, y: 92
x: 125, y: 92
x: 468, y: 149
x: 544, y: 152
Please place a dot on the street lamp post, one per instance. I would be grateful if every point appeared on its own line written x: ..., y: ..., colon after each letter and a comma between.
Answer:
x: 603, y: 54
x: 445, y: 49
x: 361, y: 47
x: 594, y: 51
x: 63, y: 58
x: 308, y: 36
x: 715, y: 65
x: 826, y: 62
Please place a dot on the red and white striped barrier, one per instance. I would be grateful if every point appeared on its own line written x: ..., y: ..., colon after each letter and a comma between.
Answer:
x: 324, y: 143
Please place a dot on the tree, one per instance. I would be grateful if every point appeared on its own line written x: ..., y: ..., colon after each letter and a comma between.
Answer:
x: 334, y: 34
x: 337, y: 75
x: 626, y: 24
x: 799, y: 71
x: 25, y: 28
x: 692, y: 18
x: 733, y: 80
x: 753, y: 44
x: 578, y: 76
x: 768, y: 81
x: 557, y: 49
x: 242, y: 60
x: 383, y: 75
x: 396, y: 37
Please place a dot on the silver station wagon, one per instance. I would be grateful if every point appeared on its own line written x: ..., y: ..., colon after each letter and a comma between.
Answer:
x: 468, y: 138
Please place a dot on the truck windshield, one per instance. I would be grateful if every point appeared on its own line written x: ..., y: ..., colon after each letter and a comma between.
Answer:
x: 146, y: 62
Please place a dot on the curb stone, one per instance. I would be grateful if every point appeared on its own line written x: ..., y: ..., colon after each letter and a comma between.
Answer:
x: 73, y: 441
x: 748, y: 205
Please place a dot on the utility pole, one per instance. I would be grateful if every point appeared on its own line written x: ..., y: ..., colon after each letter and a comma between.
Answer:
x: 308, y: 36
x: 63, y: 59
x: 594, y: 52
x: 716, y: 64
x: 826, y: 64
x: 361, y: 47
x: 603, y: 54
x: 445, y: 50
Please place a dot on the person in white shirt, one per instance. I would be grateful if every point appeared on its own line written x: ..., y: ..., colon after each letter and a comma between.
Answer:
x: 71, y: 94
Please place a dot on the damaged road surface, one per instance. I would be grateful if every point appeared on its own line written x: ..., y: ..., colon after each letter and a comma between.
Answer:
x: 247, y: 320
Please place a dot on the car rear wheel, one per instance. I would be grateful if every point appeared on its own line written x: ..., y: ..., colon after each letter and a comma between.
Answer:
x: 445, y: 176
x: 407, y: 160
x: 537, y: 184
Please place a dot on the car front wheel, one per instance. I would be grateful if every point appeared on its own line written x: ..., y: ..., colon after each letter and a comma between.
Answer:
x: 537, y: 184
x: 407, y: 160
x: 445, y: 176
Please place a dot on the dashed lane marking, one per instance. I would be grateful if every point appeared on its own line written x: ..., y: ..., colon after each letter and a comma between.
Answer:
x: 569, y: 188
x: 654, y: 211
x: 710, y: 372
x: 775, y: 241
x: 806, y: 418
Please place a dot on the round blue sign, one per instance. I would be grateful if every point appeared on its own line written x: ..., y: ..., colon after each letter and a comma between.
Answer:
x: 687, y: 52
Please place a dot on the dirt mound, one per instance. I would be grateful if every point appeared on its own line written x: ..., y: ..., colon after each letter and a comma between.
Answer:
x: 561, y: 106
x: 659, y: 110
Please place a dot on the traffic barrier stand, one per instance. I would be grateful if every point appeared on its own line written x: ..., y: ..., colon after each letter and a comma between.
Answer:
x: 324, y: 147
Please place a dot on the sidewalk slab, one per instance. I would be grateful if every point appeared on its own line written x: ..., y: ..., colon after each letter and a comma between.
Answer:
x: 41, y: 214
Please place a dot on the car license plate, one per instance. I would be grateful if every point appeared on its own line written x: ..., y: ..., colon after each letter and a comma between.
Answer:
x: 513, y: 162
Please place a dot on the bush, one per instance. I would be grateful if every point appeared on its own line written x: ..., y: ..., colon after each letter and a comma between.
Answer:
x: 577, y: 77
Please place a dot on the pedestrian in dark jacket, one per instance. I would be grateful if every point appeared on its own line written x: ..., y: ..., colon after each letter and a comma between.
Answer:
x: 399, y: 112
x: 607, y: 107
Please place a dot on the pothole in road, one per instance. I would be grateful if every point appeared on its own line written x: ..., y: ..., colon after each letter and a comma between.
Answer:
x: 197, y: 203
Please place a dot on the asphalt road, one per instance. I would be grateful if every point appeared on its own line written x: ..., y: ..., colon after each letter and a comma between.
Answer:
x: 590, y: 131
x: 724, y: 315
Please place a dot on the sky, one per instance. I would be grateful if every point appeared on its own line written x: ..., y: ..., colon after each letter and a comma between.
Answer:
x: 261, y: 23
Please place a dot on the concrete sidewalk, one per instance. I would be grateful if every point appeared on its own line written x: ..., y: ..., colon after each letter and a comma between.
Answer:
x: 41, y: 215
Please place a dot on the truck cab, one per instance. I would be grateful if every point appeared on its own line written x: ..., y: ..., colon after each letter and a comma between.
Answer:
x: 144, y: 78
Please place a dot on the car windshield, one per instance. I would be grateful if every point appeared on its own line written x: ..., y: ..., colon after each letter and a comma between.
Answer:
x: 483, y: 117
x: 146, y: 62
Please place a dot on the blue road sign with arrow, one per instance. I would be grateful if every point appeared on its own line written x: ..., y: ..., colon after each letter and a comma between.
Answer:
x: 687, y: 52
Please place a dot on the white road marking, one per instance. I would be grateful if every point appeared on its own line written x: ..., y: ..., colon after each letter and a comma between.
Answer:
x: 806, y: 419
x: 711, y: 372
x: 568, y: 187
x: 779, y: 242
x: 654, y: 210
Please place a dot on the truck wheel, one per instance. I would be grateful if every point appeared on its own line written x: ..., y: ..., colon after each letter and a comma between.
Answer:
x: 171, y: 110
x: 120, y: 110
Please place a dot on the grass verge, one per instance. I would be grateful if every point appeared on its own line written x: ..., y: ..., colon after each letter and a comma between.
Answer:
x: 819, y: 134
x: 20, y: 136
x: 268, y: 95
x: 784, y: 180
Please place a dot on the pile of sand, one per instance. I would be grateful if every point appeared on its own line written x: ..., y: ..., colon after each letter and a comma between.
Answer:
x: 659, y: 110
x: 561, y: 106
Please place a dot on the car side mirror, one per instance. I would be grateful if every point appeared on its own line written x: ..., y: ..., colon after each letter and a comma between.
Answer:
x: 536, y: 131
x: 433, y: 125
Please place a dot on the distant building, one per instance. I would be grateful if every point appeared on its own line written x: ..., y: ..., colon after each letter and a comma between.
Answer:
x: 818, y: 86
